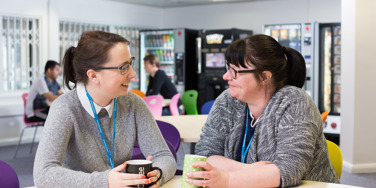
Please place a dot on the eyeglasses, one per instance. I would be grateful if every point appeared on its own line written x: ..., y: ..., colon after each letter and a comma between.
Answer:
x: 123, y: 69
x: 234, y: 73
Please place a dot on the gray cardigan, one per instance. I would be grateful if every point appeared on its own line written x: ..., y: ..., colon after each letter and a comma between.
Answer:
x: 289, y: 133
x: 71, y: 152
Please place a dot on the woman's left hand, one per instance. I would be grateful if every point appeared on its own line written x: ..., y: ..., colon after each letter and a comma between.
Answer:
x: 211, y: 177
x: 153, y: 175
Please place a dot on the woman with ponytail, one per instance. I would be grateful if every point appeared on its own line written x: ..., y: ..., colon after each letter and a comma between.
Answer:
x: 90, y: 132
x: 264, y: 131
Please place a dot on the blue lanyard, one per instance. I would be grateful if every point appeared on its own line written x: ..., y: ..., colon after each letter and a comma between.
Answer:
x: 244, y: 150
x: 111, y: 159
x: 52, y: 85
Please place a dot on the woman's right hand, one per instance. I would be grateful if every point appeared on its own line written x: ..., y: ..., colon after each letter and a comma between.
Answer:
x: 116, y: 178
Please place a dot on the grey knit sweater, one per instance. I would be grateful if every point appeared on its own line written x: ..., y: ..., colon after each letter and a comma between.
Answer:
x: 71, y: 152
x: 289, y: 133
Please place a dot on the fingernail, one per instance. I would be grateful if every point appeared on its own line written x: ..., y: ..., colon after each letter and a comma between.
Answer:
x: 150, y: 181
x: 147, y: 181
x: 124, y: 163
x: 148, y: 175
x: 143, y: 177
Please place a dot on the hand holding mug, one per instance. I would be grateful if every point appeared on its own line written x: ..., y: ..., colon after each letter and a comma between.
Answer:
x: 145, y: 168
x: 116, y: 177
x: 211, y: 177
x: 153, y: 175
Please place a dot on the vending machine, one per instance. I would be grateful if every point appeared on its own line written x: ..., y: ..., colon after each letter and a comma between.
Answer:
x: 212, y: 45
x: 320, y: 45
x: 328, y: 63
x: 176, y: 51
x: 298, y: 36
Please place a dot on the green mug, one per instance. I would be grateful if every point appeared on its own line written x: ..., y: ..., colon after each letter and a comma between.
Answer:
x: 188, y: 160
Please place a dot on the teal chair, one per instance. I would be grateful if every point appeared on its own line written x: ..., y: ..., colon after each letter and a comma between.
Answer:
x: 190, y: 102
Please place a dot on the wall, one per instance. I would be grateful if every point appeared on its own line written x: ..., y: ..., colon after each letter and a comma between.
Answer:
x: 11, y: 105
x: 50, y: 12
x: 358, y: 72
x: 253, y: 15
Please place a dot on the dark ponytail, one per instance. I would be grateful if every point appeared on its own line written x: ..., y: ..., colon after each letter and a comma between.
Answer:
x: 266, y: 54
x: 91, y: 53
x: 297, y: 68
x: 69, y: 73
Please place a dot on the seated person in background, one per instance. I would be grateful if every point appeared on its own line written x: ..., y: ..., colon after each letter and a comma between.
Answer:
x: 159, y: 83
x: 43, y: 91
x: 90, y: 132
x: 264, y: 131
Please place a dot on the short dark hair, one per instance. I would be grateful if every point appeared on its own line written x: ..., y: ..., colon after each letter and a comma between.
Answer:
x: 50, y: 65
x: 153, y: 59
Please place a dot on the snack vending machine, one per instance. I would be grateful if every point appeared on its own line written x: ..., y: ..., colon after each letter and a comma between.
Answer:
x: 299, y: 37
x: 320, y: 45
x: 212, y: 45
x: 328, y: 63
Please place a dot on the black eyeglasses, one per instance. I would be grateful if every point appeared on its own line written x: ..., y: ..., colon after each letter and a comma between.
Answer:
x: 123, y: 69
x: 234, y: 73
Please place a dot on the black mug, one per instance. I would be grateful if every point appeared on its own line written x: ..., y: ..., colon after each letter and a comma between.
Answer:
x: 142, y: 167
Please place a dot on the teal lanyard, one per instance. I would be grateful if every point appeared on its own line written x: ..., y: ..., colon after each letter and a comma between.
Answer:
x: 52, y: 85
x: 111, y: 159
x: 245, y: 150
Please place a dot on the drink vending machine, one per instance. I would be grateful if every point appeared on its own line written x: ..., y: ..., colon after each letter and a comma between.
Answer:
x: 176, y: 51
x: 211, y: 46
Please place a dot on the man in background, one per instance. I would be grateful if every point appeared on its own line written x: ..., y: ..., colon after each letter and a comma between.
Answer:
x: 43, y: 91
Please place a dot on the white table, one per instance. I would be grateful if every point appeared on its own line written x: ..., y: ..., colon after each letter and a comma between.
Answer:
x: 189, y: 126
x: 176, y: 182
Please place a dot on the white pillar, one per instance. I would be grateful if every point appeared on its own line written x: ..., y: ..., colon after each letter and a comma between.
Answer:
x: 358, y: 103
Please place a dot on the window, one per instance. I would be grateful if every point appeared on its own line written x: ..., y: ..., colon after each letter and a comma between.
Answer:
x: 20, y: 52
x: 132, y: 35
x: 70, y: 33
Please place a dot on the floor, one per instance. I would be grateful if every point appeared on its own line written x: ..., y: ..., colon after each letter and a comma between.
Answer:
x: 23, y: 166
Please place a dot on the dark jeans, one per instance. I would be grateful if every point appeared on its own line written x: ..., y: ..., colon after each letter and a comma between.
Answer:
x: 39, y: 116
x: 166, y: 111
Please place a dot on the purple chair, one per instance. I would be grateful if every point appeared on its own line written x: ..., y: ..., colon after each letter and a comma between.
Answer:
x: 174, y: 105
x: 171, y: 136
x: 170, y: 133
x: 137, y: 154
x: 8, y: 177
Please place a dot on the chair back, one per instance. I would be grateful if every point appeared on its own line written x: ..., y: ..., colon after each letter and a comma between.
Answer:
x: 170, y: 133
x: 174, y: 105
x: 324, y: 115
x: 137, y: 154
x: 190, y: 102
x: 155, y: 103
x: 27, y: 123
x: 205, y: 109
x: 8, y: 177
x: 335, y: 156
x: 138, y: 92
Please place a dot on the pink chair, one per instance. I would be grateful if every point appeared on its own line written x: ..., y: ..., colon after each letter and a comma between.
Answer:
x: 174, y: 105
x: 28, y: 125
x: 155, y: 103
